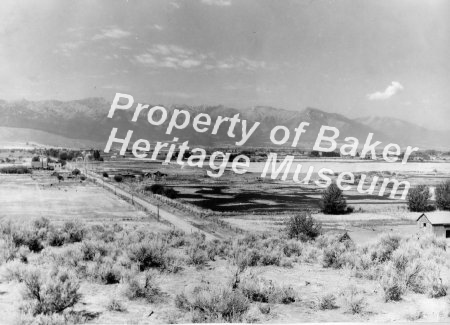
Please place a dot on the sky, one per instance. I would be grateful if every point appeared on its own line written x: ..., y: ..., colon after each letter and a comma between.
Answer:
x: 356, y: 58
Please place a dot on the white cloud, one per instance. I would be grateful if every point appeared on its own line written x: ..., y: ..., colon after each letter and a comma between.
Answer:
x: 390, y: 91
x: 239, y: 63
x: 170, y: 56
x: 111, y: 33
x: 221, y: 3
x: 67, y: 48
x: 177, y: 57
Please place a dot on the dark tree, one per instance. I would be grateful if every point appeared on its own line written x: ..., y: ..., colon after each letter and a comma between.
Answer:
x: 118, y: 178
x: 303, y: 227
x: 333, y: 201
x: 418, y: 199
x: 96, y: 155
x: 157, y: 189
x: 76, y: 172
x: 443, y: 196
x: 63, y: 155
x: 170, y: 193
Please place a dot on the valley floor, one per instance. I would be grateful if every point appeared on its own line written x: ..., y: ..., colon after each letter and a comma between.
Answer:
x: 294, y: 275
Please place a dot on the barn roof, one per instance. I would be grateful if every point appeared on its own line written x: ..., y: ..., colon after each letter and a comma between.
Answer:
x: 437, y: 218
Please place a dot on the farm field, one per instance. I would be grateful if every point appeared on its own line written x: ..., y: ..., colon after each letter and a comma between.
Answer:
x: 24, y: 197
x: 250, y: 193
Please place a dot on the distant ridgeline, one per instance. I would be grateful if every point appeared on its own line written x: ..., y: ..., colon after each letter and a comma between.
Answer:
x: 280, y: 135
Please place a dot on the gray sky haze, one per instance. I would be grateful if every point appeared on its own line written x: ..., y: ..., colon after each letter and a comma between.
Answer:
x: 358, y: 58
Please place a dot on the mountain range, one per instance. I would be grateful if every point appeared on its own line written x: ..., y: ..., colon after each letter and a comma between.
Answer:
x: 86, y: 121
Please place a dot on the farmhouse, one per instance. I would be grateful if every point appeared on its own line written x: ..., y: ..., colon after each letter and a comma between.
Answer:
x: 39, y: 162
x: 436, y: 222
x: 55, y: 165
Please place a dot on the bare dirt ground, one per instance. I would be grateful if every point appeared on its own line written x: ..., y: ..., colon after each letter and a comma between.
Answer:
x: 310, y: 281
x: 26, y: 197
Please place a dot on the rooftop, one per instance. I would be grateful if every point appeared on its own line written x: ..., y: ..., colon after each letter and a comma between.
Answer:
x: 438, y: 217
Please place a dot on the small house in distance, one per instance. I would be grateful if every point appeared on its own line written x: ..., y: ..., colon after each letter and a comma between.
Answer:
x: 436, y: 222
x: 39, y: 162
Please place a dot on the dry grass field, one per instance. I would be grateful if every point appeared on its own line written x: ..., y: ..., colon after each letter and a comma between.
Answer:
x: 29, y: 196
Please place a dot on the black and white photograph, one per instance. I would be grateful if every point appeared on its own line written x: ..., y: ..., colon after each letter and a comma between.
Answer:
x: 224, y: 161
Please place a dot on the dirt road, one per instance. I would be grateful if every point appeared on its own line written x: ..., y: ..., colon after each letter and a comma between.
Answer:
x: 175, y: 220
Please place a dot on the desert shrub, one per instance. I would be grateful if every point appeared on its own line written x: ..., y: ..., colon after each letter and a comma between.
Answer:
x: 105, y: 272
x: 118, y: 178
x: 196, y: 254
x: 105, y: 174
x: 303, y: 227
x: 41, y: 223
x: 411, y: 268
x: 338, y: 250
x: 431, y: 241
x: 50, y: 293
x: 214, y: 303
x: 256, y: 289
x: 55, y: 238
x: 151, y: 253
x: 354, y: 300
x: 436, y: 288
x: 76, y: 172
x: 393, y: 286
x: 83, y: 177
x: 283, y: 295
x: 385, y: 246
x: 92, y: 249
x: 418, y: 199
x: 333, y: 201
x: 262, y: 290
x: 244, y: 257
x: 335, y: 256
x: 292, y: 248
x: 326, y: 302
x: 141, y: 286
x: 175, y: 238
x: 213, y: 249
x: 34, y: 244
x: 70, y: 257
x: 173, y: 263
x: 24, y: 235
x: 310, y: 254
x: 74, y: 231
x: 442, y: 192
x: 115, y: 304
x: 13, y: 271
